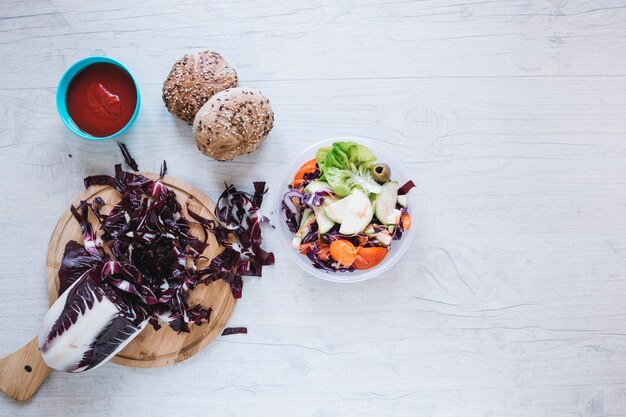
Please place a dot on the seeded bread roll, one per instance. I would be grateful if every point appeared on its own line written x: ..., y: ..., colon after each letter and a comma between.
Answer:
x: 193, y: 80
x: 232, y: 123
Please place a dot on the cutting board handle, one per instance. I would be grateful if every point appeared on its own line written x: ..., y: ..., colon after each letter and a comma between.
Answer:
x: 23, y: 372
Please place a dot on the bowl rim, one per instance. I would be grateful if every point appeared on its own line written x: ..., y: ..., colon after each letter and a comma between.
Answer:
x: 346, y: 277
x: 65, y: 82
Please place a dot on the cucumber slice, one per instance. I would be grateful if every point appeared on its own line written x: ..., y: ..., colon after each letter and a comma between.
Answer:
x: 323, y: 222
x: 330, y: 199
x: 358, y: 215
x: 337, y: 211
x: 385, y: 203
x: 317, y: 186
x: 307, y: 215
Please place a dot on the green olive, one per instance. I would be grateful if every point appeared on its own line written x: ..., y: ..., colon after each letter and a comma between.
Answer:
x: 381, y: 173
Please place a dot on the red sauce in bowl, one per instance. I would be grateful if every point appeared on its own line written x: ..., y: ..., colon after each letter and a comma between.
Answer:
x: 101, y: 99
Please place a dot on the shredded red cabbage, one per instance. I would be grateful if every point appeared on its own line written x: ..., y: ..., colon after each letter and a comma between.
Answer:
x: 238, y: 212
x: 144, y: 252
x: 406, y: 188
x: 234, y: 330
x: 314, y: 200
x: 312, y: 236
x: 130, y: 161
x: 328, y: 265
x: 311, y: 176
x: 292, y: 212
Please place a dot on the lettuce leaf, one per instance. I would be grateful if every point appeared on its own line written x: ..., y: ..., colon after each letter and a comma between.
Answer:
x: 346, y: 167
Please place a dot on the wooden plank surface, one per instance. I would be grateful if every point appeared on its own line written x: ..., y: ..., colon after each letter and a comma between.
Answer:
x: 510, y: 114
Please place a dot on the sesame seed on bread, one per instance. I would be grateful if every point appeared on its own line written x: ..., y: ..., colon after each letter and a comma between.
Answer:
x: 193, y: 80
x: 233, y: 122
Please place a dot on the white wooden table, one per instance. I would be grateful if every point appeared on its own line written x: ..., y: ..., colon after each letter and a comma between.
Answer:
x: 511, y: 115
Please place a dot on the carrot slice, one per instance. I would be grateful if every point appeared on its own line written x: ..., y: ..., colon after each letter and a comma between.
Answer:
x: 307, y: 168
x: 343, y: 252
x: 304, y: 248
x: 360, y: 240
x: 367, y: 258
x: 324, y: 251
x: 406, y: 221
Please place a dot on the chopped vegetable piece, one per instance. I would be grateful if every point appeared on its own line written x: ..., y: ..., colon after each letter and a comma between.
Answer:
x: 76, y: 261
x: 358, y: 214
x: 234, y: 330
x: 321, y: 264
x: 308, y: 217
x: 127, y: 157
x: 384, y: 237
x: 323, y: 251
x: 406, y: 188
x: 369, y: 257
x: 318, y: 186
x: 406, y: 221
x: 289, y: 204
x: 337, y: 211
x: 305, y: 247
x: 343, y: 252
x: 308, y: 167
x: 324, y: 223
x: 385, y: 203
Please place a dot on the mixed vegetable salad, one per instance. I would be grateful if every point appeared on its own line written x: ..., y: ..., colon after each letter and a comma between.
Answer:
x: 344, y: 209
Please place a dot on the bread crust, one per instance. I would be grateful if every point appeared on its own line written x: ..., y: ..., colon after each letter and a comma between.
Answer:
x: 193, y: 80
x: 233, y: 122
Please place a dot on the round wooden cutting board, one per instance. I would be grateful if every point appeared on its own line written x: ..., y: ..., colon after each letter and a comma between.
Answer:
x: 23, y: 372
x: 152, y: 349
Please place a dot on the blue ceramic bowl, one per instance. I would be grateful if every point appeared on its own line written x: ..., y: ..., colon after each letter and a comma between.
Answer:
x: 67, y: 78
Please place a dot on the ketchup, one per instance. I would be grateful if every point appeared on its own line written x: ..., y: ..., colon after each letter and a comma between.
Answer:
x: 101, y: 99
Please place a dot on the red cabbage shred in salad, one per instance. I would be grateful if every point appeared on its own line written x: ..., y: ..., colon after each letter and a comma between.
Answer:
x: 344, y: 209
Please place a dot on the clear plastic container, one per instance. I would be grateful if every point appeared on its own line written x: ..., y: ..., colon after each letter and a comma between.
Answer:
x: 398, y: 247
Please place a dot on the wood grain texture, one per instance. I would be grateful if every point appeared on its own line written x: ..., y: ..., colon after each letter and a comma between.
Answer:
x: 23, y: 372
x: 153, y: 349
x: 512, y: 116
